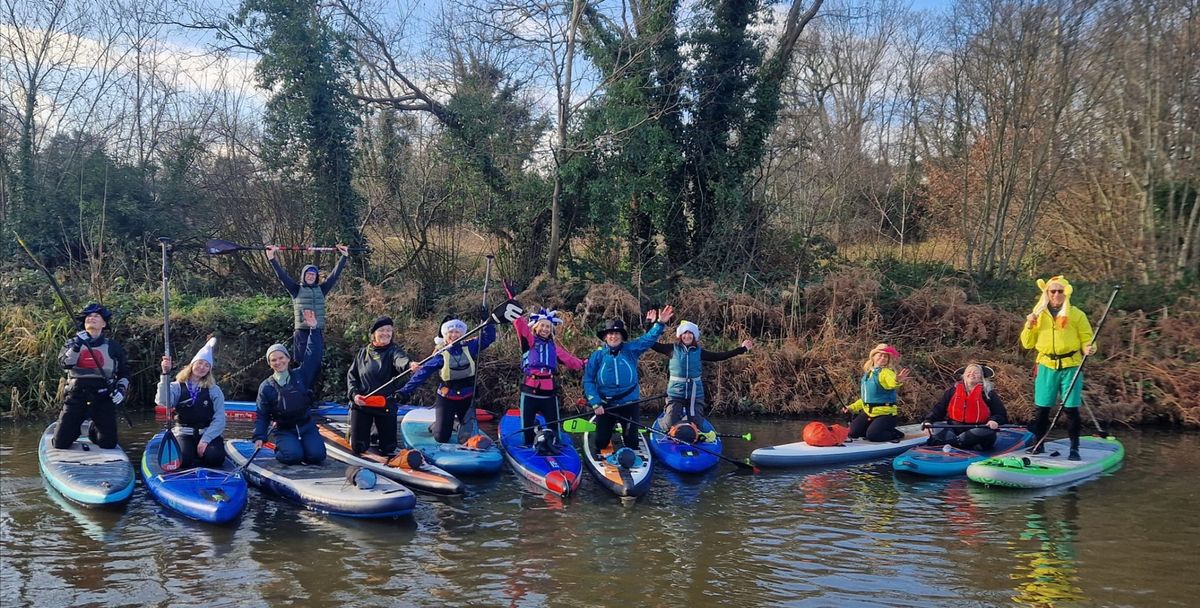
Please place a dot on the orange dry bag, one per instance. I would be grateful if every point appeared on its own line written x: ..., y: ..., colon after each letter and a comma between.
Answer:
x: 822, y: 435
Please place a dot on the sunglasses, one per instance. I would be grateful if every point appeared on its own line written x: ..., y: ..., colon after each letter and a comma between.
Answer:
x: 1056, y: 291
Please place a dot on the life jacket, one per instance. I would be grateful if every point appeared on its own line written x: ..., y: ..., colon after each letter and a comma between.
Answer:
x: 457, y: 367
x: 873, y: 393
x: 539, y: 364
x: 194, y: 413
x: 968, y: 408
x: 818, y: 434
x: 291, y: 405
x: 684, y: 368
x: 308, y: 298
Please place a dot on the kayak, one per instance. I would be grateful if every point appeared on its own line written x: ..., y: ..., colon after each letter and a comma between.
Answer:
x: 682, y: 457
x: 453, y: 457
x: 1051, y: 468
x: 557, y: 473
x: 245, y: 410
x: 322, y: 487
x: 944, y: 461
x: 624, y: 482
x: 86, y: 473
x: 427, y: 478
x: 800, y: 454
x: 200, y: 493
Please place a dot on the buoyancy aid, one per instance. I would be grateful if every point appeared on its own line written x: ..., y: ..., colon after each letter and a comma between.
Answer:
x: 877, y: 401
x: 684, y: 368
x: 194, y: 413
x: 291, y: 404
x: 967, y: 408
x: 458, y: 368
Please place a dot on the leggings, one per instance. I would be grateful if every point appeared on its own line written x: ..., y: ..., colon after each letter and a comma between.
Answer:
x: 605, y: 424
x: 445, y: 413
x: 877, y: 429
x: 1074, y: 424
x: 531, y: 406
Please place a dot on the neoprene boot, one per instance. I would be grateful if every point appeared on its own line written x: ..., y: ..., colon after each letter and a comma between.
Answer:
x: 1073, y: 427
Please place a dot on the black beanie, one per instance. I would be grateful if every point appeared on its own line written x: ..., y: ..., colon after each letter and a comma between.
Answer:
x: 380, y: 322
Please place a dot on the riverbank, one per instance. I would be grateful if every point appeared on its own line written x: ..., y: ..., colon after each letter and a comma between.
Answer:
x: 810, y: 343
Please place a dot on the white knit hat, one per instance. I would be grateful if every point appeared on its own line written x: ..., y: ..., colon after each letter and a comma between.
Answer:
x: 686, y: 326
x: 453, y: 324
x: 206, y: 351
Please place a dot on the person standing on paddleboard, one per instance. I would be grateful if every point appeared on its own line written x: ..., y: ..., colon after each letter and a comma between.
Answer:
x: 308, y: 294
x: 199, y: 406
x: 374, y: 366
x: 1061, y: 335
x: 971, y: 401
x: 541, y: 355
x: 284, y: 399
x: 876, y: 419
x: 610, y: 377
x: 685, y: 390
x: 97, y: 380
x: 455, y: 366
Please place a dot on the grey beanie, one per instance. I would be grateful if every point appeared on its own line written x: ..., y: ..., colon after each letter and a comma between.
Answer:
x: 277, y: 348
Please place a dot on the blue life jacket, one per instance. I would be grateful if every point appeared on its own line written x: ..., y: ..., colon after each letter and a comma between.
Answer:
x: 685, y: 373
x: 873, y: 392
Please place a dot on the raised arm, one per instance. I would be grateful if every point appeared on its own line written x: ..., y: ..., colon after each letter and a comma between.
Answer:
x: 288, y: 283
x: 328, y: 284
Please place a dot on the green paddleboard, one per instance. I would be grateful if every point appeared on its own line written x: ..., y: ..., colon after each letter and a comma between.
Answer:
x: 1050, y: 468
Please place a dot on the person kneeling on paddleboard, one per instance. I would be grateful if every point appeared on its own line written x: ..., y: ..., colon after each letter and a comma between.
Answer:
x: 199, y: 406
x: 284, y: 399
x: 455, y: 366
x: 541, y: 355
x: 876, y: 419
x: 97, y: 380
x: 374, y: 366
x: 971, y: 402
x: 685, y: 390
x: 610, y: 377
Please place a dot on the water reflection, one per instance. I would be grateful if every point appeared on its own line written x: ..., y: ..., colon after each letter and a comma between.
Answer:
x: 1046, y: 572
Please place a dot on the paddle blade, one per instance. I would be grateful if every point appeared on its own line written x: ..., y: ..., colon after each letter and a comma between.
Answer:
x: 375, y: 401
x: 579, y: 425
x: 170, y: 457
x: 507, y: 312
x: 219, y: 247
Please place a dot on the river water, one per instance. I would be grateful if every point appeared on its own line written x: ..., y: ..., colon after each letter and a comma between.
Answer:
x: 851, y: 536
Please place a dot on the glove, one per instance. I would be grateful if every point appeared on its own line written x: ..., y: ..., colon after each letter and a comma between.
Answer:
x: 118, y: 396
x: 80, y: 339
x: 403, y: 398
x: 926, y: 425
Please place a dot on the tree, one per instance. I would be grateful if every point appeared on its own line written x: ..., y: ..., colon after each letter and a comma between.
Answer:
x: 311, y: 114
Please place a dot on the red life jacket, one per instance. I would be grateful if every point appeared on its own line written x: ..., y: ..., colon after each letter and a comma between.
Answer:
x: 968, y: 409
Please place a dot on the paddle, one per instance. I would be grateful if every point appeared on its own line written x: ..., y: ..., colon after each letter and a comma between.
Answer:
x: 587, y: 426
x: 170, y: 456
x: 69, y: 308
x: 740, y: 464
x: 946, y: 425
x: 568, y: 423
x: 506, y: 312
x: 1062, y: 399
x: 238, y: 471
x: 470, y: 423
x: 221, y: 247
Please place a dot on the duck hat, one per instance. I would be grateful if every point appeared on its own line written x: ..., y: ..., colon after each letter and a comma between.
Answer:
x: 612, y: 325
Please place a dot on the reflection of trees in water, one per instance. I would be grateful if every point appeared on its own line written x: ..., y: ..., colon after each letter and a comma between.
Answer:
x: 1047, y: 576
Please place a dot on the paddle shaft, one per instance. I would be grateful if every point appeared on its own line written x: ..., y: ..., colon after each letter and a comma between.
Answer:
x: 1062, y: 401
x: 221, y: 247
x: 470, y: 417
x: 651, y: 428
x: 438, y: 351
x: 579, y: 415
x: 69, y: 308
x: 169, y: 446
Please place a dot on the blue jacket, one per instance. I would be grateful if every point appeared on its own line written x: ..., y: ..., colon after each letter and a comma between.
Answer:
x: 289, y: 407
x: 612, y: 375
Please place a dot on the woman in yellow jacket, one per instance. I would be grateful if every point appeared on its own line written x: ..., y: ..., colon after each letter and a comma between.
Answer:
x: 1061, y: 335
x: 876, y: 409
